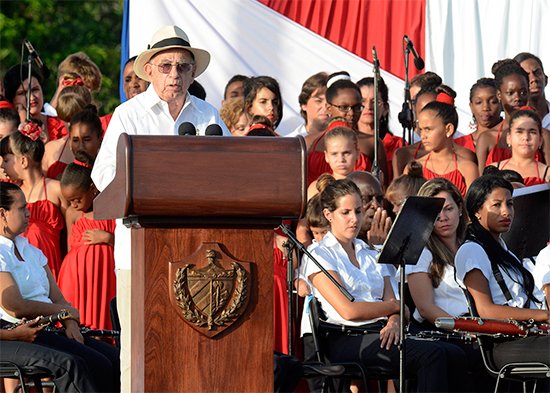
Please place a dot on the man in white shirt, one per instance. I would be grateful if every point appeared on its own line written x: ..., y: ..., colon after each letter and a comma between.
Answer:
x: 171, y: 65
x: 537, y: 83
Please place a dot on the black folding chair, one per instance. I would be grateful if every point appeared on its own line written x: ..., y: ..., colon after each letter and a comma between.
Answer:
x: 523, y: 372
x: 30, y: 377
x: 352, y: 371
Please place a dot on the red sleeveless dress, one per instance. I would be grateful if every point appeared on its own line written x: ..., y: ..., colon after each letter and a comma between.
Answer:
x: 87, y: 277
x: 44, y: 230
x: 466, y: 141
x: 531, y: 181
x: 498, y: 154
x: 317, y: 165
x: 391, y: 144
x: 58, y: 167
x: 280, y: 300
x: 454, y: 176
x: 56, y: 128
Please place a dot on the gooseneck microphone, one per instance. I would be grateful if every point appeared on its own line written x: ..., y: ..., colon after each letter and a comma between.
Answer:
x: 187, y: 128
x: 34, y: 54
x: 418, y: 62
x: 213, y: 130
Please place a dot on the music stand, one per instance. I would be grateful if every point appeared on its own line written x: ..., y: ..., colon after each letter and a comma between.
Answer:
x: 530, y: 228
x: 404, y: 244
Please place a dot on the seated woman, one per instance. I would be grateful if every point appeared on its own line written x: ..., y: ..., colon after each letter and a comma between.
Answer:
x: 491, y: 209
x: 69, y: 373
x: 28, y: 289
x: 432, y: 280
x: 350, y: 261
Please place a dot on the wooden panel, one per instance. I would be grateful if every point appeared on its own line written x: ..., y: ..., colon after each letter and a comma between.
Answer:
x: 170, y: 356
x: 207, y: 176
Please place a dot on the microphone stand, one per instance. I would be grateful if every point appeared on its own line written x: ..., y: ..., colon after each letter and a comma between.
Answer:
x: 405, y: 116
x: 290, y: 246
x: 375, y: 167
x: 29, y: 64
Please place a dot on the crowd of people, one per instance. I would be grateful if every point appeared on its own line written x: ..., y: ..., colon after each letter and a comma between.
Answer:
x: 55, y: 160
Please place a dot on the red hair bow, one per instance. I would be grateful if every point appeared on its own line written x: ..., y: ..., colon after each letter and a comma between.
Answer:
x: 76, y: 82
x: 6, y: 105
x: 339, y: 123
x: 30, y: 130
x: 445, y: 98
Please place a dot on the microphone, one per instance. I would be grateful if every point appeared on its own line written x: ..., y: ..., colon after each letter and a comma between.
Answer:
x: 418, y: 62
x: 34, y: 54
x: 187, y: 128
x: 213, y: 129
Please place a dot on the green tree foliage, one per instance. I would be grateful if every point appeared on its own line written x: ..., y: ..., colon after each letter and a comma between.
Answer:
x: 58, y: 28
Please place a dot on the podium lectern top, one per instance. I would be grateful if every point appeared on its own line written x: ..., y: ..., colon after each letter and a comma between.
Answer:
x: 188, y: 176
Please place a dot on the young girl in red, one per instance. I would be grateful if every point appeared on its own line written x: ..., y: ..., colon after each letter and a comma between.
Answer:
x: 87, y: 277
x: 22, y: 153
x: 437, y: 122
x: 525, y: 138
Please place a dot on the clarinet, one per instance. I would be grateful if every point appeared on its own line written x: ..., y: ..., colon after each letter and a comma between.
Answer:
x: 85, y: 331
x: 434, y: 335
x: 43, y: 321
x: 493, y: 327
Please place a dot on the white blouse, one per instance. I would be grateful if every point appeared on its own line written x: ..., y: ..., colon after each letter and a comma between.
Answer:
x: 472, y: 256
x: 448, y: 296
x: 541, y: 272
x: 364, y: 284
x: 29, y: 274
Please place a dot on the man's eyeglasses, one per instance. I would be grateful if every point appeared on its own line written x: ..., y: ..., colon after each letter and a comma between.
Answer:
x: 368, y: 199
x: 181, y: 68
x: 356, y: 108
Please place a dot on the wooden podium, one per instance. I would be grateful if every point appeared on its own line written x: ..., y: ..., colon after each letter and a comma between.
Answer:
x: 202, y: 212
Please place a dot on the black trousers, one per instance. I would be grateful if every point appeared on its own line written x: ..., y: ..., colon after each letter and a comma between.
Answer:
x: 439, y: 367
x: 101, y: 359
x: 288, y: 372
x: 70, y: 373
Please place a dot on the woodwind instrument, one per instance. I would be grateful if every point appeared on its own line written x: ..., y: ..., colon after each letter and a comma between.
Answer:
x: 493, y: 327
x: 43, y: 321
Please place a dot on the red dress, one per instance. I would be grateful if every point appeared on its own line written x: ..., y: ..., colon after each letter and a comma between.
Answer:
x: 454, y: 176
x: 56, y: 128
x: 466, y: 141
x: 87, y: 277
x: 391, y: 144
x: 530, y: 181
x: 280, y: 301
x: 43, y: 232
x: 317, y: 165
x: 105, y: 120
x: 58, y: 167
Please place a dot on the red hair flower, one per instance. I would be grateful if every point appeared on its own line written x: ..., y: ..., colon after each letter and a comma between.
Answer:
x: 76, y: 82
x: 30, y: 130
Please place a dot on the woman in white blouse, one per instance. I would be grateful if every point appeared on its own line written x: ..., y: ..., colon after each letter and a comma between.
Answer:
x: 432, y: 281
x: 351, y: 262
x: 490, y: 206
x: 28, y: 290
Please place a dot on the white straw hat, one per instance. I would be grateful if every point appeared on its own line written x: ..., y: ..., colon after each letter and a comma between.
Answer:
x: 170, y: 37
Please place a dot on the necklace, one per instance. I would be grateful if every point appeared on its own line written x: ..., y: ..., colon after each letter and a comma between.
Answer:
x: 444, y: 170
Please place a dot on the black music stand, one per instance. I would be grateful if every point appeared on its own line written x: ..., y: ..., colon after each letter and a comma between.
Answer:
x: 530, y: 230
x: 407, y: 238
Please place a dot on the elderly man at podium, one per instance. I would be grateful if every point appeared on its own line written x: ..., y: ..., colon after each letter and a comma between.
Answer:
x: 170, y: 63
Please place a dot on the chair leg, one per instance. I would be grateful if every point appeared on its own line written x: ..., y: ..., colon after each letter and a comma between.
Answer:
x: 496, y: 385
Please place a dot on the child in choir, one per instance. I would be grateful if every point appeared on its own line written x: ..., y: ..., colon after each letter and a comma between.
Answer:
x: 22, y: 154
x: 485, y: 109
x: 437, y: 123
x: 57, y: 155
x: 512, y: 83
x: 262, y: 96
x: 405, y: 185
x: 86, y: 132
x: 525, y: 138
x: 366, y: 121
x: 9, y: 121
x: 87, y: 277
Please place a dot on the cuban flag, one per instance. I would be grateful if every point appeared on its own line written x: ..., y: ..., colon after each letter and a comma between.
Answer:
x: 291, y: 40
